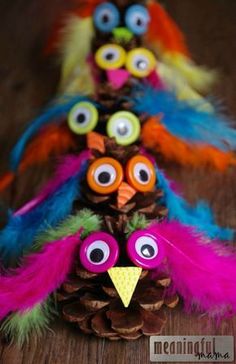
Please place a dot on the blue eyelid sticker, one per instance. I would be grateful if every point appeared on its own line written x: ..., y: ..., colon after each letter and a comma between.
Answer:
x: 137, y: 18
x: 106, y: 17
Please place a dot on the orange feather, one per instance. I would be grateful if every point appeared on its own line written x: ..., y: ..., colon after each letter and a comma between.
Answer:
x: 53, y: 140
x: 156, y: 137
x: 164, y: 32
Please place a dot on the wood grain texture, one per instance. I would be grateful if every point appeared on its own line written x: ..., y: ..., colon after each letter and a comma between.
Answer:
x: 28, y: 81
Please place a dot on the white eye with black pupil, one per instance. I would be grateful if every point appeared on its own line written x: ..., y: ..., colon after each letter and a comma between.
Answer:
x: 142, y: 173
x: 98, y: 252
x: 146, y: 247
x: 110, y: 56
x: 105, y: 175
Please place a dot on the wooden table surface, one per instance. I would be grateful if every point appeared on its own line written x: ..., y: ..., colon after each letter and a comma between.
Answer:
x: 27, y: 81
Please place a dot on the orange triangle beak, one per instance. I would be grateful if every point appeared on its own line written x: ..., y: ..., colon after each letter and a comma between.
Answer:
x: 96, y: 141
x: 125, y: 194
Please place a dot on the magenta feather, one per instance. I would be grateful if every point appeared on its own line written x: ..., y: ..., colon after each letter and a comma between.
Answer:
x: 40, y: 275
x: 69, y: 166
x: 203, y: 273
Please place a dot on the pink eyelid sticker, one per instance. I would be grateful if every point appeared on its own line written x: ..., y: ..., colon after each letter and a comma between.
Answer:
x: 99, y: 252
x: 145, y: 249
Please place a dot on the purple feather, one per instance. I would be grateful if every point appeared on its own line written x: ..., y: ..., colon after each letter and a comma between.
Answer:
x: 203, y: 273
x: 39, y: 276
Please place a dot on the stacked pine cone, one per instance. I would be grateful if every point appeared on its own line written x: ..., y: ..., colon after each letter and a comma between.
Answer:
x: 89, y: 300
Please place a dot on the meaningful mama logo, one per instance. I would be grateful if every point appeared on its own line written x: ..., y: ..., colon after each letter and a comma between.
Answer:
x: 192, y: 349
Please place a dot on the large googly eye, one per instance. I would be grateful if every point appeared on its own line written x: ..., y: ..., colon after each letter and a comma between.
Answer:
x: 99, y: 252
x: 140, y: 62
x: 145, y: 250
x: 110, y: 57
x: 137, y: 18
x: 83, y: 118
x: 124, y: 127
x: 140, y: 174
x: 105, y: 175
x: 106, y: 17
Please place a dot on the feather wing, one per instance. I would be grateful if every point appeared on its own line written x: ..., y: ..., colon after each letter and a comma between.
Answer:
x: 199, y: 216
x: 185, y: 121
x: 51, y: 115
x: 53, y: 204
x: 156, y: 137
x: 210, y: 282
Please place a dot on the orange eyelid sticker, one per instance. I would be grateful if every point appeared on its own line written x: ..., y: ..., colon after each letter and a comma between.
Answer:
x: 141, y: 174
x: 105, y: 175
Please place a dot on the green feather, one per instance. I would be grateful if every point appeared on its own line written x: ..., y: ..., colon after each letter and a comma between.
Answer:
x: 138, y: 222
x: 84, y: 219
x: 19, y: 326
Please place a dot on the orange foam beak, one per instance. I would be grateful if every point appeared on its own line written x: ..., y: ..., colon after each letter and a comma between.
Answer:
x: 96, y: 141
x: 125, y: 194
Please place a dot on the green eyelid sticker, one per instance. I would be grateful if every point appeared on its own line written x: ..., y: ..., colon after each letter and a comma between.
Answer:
x: 124, y: 126
x: 83, y: 118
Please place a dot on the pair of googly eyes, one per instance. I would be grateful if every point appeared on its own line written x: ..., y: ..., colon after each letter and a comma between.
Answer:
x: 100, y: 251
x: 123, y: 125
x: 107, y: 17
x: 139, y: 62
x: 105, y: 175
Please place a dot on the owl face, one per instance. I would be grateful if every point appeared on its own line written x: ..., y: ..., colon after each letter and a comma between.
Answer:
x: 121, y: 182
x: 121, y: 22
x: 100, y: 253
x: 123, y: 126
x: 119, y: 65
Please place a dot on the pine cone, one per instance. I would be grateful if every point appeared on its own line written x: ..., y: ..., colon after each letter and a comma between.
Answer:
x: 91, y: 303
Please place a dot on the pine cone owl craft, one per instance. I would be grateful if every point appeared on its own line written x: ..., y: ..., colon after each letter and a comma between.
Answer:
x: 109, y: 236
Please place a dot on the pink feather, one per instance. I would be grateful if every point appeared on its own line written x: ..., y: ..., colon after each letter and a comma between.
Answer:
x: 202, y: 272
x: 40, y: 275
x: 68, y: 168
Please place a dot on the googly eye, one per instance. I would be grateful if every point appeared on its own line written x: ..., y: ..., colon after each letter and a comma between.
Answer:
x: 140, y: 62
x: 105, y: 175
x: 137, y: 18
x: 140, y: 174
x: 124, y: 127
x: 145, y: 250
x: 99, y: 252
x: 83, y: 118
x: 106, y: 17
x: 110, y: 56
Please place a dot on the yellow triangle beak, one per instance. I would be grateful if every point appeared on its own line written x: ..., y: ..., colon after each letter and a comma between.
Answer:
x: 125, y: 280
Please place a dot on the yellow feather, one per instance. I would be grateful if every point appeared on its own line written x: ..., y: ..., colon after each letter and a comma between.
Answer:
x: 75, y: 47
x: 176, y: 83
x: 200, y: 78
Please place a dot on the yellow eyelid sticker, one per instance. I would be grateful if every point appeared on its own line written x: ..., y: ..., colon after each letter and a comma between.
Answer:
x: 83, y: 118
x: 110, y: 56
x: 140, y: 62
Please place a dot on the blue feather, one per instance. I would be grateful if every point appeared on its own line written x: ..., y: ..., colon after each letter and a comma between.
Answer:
x: 21, y: 230
x: 199, y: 216
x: 183, y: 120
x: 53, y: 113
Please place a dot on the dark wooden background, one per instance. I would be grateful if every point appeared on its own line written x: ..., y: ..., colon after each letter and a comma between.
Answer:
x: 27, y: 81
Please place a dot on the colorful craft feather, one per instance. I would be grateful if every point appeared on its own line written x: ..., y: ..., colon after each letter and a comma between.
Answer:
x: 166, y: 37
x: 203, y: 274
x: 52, y: 114
x: 156, y: 137
x: 199, y: 216
x: 186, y: 121
x: 31, y: 284
x: 51, y: 206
